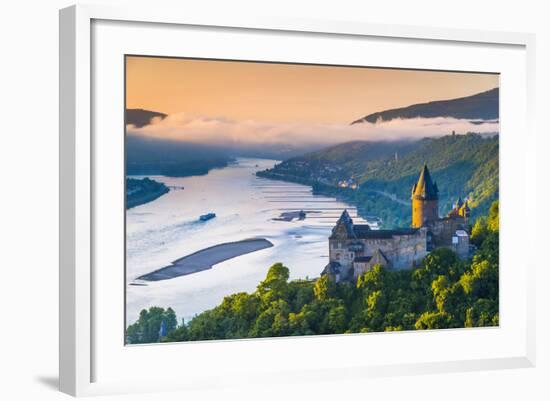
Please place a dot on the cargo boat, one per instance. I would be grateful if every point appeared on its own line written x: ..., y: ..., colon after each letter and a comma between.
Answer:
x: 206, y: 217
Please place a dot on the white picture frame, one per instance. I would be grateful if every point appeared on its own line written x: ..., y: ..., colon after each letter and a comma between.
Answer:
x: 79, y: 342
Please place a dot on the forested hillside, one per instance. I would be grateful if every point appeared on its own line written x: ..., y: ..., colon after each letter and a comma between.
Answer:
x: 443, y: 292
x: 153, y: 156
x: 140, y: 191
x: 462, y: 165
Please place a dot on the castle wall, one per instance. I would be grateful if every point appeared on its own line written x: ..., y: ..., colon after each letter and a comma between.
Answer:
x: 339, y: 252
x: 402, y: 251
x: 461, y: 244
x: 407, y: 250
x: 443, y: 230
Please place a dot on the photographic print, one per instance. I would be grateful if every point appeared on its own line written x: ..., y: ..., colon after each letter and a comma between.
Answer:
x: 277, y: 199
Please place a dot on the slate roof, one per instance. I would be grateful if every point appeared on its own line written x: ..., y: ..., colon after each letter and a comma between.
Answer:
x: 363, y: 231
x: 377, y: 257
x: 425, y: 187
x: 346, y: 221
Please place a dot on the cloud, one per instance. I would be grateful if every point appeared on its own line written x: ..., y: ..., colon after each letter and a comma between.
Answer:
x: 226, y: 132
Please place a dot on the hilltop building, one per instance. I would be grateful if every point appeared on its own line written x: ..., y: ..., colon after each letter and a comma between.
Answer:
x: 449, y: 231
x: 356, y: 248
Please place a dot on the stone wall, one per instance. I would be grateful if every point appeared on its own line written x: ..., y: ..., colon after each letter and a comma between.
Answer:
x: 405, y: 251
x: 339, y: 252
x: 443, y: 230
x: 402, y: 251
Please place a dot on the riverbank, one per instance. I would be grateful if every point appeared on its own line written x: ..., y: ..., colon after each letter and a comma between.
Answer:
x: 206, y: 258
x: 377, y: 206
x: 163, y: 231
x: 141, y: 191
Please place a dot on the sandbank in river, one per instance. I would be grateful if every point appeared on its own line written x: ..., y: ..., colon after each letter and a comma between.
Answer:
x: 206, y: 258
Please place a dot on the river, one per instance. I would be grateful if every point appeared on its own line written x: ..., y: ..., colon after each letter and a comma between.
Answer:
x: 166, y: 229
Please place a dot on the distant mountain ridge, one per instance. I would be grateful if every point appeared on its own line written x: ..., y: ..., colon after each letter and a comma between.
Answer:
x: 141, y: 117
x: 481, y: 106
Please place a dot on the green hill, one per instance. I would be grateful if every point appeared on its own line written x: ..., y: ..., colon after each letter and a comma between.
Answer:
x: 462, y: 165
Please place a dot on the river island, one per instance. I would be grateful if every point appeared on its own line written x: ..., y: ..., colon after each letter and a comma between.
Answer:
x: 206, y: 258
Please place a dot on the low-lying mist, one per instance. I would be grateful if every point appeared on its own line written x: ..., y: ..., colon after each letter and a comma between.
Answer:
x: 224, y: 131
x: 196, y: 135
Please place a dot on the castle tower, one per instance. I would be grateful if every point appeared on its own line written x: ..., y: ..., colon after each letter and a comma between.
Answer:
x: 464, y: 210
x: 425, y: 199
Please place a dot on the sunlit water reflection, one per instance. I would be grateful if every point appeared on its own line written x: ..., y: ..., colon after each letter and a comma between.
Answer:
x: 168, y: 228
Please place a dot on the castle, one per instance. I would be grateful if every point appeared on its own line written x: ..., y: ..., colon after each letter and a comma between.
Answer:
x: 356, y: 248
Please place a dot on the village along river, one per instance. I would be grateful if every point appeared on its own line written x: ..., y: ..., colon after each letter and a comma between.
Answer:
x: 246, y: 206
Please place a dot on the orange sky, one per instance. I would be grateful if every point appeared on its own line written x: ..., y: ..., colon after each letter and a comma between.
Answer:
x: 284, y: 93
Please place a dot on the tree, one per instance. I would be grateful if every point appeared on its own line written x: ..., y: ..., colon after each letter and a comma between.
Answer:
x: 179, y: 334
x: 337, y: 319
x: 170, y: 320
x: 273, y: 321
x: 450, y: 299
x: 486, y: 225
x: 433, y: 320
x: 441, y: 261
x: 301, y: 292
x: 482, y: 280
x: 483, y: 312
x: 205, y: 326
x: 376, y: 309
x: 493, y: 221
x: 275, y: 285
x: 242, y: 305
x: 147, y: 329
x: 324, y: 288
x: 479, y: 231
x: 373, y: 279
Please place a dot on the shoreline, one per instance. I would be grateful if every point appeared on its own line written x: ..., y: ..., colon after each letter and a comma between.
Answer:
x: 143, y: 191
x: 130, y: 204
x: 345, y: 195
x: 206, y: 258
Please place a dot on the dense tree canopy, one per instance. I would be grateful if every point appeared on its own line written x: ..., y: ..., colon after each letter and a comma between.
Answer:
x: 443, y: 292
x: 150, y: 325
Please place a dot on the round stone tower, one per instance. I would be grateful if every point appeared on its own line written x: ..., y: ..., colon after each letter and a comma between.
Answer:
x: 425, y: 199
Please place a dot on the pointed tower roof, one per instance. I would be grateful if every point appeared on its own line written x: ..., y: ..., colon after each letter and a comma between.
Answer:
x: 344, y: 225
x: 425, y: 188
x: 345, y: 215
